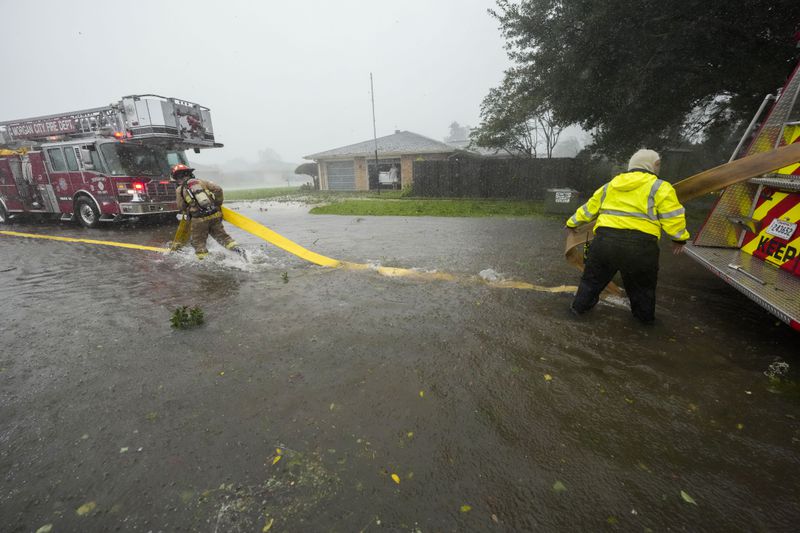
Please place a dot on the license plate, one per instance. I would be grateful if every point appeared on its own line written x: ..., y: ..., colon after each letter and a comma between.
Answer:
x: 782, y: 229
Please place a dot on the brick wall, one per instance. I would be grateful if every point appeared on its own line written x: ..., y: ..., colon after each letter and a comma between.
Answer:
x: 362, y: 183
x: 323, y: 176
x: 407, y: 166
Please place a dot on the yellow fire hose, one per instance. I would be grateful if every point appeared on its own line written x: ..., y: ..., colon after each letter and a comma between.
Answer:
x: 253, y: 227
x: 85, y: 241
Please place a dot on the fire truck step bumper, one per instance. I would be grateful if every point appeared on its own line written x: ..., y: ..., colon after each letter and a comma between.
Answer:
x: 155, y: 208
x: 775, y: 290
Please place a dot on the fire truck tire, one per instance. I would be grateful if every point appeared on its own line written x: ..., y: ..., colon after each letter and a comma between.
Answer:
x: 86, y: 212
x: 3, y: 215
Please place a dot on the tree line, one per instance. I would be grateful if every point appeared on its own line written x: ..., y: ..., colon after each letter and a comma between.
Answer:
x: 636, y: 72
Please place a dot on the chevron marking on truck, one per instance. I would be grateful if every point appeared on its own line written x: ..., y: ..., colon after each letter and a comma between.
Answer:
x: 791, y: 135
x: 781, y: 252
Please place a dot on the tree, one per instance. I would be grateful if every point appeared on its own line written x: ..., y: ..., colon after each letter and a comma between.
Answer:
x: 517, y: 121
x: 268, y: 156
x: 457, y: 133
x: 309, y: 169
x: 647, y: 72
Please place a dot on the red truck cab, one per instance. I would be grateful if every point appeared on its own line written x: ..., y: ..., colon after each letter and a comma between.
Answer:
x: 100, y: 165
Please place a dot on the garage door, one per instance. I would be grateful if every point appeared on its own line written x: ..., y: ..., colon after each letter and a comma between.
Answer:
x: 341, y: 176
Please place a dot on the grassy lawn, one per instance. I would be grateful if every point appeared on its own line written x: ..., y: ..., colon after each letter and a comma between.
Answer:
x: 389, y: 203
x: 393, y: 203
x: 432, y: 208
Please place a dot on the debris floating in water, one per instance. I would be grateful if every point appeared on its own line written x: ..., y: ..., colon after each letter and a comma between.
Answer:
x: 687, y: 498
x: 184, y: 317
x: 776, y: 370
x: 490, y: 275
x: 86, y: 508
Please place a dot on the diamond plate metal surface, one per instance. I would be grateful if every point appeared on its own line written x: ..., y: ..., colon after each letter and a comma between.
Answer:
x: 770, y: 133
x: 737, y: 202
x: 779, y: 294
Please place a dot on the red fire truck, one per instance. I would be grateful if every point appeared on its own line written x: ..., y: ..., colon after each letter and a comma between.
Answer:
x: 751, y: 237
x: 100, y: 165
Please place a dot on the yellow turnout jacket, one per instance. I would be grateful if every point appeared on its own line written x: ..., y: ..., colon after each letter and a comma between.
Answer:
x: 635, y: 200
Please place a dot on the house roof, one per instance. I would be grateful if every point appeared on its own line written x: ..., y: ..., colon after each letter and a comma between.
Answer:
x: 400, y: 142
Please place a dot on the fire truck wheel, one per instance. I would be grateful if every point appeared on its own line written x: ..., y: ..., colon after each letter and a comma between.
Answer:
x: 3, y: 215
x: 87, y: 212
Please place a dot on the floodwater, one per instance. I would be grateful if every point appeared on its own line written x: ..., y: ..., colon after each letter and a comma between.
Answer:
x: 309, y: 393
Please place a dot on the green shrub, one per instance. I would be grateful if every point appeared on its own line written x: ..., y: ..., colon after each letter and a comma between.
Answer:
x: 184, y: 317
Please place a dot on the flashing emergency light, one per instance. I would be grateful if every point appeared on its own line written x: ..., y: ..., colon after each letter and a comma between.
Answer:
x: 138, y: 186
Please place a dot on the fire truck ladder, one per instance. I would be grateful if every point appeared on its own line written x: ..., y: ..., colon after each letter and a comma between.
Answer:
x: 147, y: 116
x: 75, y: 124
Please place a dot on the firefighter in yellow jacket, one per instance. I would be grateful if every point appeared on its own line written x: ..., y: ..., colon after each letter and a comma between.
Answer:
x: 201, y: 201
x: 631, y: 212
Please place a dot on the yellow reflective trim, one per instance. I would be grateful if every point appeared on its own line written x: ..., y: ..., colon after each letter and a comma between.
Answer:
x: 792, y: 215
x: 791, y: 169
x: 759, y: 215
x: 791, y: 134
x: 85, y: 241
x: 751, y: 246
x: 765, y: 208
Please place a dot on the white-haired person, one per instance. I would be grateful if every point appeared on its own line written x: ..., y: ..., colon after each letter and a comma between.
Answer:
x: 631, y: 212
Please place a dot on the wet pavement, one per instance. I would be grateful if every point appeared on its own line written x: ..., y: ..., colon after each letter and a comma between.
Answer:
x: 310, y: 393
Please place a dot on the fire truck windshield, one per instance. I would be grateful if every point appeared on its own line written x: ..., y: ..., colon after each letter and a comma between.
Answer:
x: 128, y: 159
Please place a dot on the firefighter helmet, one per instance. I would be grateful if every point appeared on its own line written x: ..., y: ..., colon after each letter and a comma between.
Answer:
x: 180, y: 170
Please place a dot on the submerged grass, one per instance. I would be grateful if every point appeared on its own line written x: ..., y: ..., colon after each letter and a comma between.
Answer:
x: 259, y: 194
x: 397, y: 203
x: 391, y: 203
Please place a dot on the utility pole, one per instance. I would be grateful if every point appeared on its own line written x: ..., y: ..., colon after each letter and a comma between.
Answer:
x: 374, y: 137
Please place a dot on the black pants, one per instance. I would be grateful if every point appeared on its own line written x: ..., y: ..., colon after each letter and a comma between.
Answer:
x: 632, y: 253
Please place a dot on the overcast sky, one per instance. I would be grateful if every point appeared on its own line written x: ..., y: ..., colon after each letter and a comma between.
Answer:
x: 291, y: 76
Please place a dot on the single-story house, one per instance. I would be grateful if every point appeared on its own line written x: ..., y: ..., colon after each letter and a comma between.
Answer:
x: 352, y: 167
